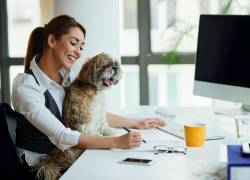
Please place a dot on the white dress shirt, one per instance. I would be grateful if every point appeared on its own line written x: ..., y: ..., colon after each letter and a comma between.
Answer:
x: 28, y: 99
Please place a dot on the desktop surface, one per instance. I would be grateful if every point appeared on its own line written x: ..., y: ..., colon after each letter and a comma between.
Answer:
x: 196, y: 164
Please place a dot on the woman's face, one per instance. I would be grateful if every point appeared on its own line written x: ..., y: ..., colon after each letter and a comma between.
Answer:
x: 67, y: 49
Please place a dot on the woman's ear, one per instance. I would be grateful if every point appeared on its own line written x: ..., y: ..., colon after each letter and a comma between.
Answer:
x: 51, y: 41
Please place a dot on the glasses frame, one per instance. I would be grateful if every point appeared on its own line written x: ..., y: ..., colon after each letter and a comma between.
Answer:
x: 169, y: 149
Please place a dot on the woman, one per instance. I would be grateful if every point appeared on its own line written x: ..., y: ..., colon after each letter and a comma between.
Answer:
x: 38, y: 94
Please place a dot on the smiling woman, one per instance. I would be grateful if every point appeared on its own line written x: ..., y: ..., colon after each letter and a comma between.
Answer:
x: 38, y: 94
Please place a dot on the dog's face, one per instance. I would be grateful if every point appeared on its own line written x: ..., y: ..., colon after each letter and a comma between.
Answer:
x: 101, y: 71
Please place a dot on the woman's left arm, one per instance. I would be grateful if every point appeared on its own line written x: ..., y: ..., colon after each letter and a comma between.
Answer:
x: 119, y: 121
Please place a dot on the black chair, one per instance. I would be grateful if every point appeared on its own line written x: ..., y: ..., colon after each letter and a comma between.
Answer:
x: 9, y: 163
x: 10, y: 167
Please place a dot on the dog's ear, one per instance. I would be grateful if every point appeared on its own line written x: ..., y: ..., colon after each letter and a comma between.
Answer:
x: 88, y: 71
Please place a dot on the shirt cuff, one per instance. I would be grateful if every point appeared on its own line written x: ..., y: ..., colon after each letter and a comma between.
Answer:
x: 68, y: 139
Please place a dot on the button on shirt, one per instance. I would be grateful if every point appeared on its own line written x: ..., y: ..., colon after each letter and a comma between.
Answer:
x: 28, y: 99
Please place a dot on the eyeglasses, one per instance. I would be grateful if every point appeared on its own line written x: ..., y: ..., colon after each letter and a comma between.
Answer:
x: 167, y: 149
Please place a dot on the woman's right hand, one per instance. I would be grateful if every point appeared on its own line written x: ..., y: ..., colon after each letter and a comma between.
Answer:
x: 129, y: 140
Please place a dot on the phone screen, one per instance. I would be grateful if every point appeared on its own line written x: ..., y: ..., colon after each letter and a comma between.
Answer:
x: 144, y: 161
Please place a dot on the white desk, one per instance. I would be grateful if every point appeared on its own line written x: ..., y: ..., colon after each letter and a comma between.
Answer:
x: 198, y: 162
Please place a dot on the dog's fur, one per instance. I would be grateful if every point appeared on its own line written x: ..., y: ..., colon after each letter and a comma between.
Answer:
x: 83, y: 110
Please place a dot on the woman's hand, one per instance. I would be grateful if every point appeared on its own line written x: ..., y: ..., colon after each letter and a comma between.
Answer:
x: 119, y: 122
x: 129, y: 140
x: 148, y: 123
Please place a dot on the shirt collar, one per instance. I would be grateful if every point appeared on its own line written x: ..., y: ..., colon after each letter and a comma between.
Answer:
x: 44, y: 81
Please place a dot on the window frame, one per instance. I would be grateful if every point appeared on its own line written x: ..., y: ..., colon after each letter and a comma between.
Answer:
x: 146, y: 56
x: 5, y: 60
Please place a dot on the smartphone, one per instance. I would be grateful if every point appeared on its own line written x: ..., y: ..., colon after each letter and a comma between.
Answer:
x: 138, y: 161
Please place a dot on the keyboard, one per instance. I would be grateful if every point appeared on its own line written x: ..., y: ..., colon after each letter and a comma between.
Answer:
x: 172, y: 127
x: 175, y: 129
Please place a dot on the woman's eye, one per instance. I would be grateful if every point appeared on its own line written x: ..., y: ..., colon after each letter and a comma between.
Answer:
x: 73, y: 44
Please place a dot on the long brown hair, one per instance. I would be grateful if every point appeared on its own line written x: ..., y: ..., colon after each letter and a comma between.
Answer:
x: 57, y: 26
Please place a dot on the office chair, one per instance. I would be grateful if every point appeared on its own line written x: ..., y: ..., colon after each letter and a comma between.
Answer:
x: 9, y: 164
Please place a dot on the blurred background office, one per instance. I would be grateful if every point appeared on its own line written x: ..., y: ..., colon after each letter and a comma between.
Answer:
x: 155, y: 40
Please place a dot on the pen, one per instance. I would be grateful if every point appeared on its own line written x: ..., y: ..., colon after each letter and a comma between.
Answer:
x: 130, y: 131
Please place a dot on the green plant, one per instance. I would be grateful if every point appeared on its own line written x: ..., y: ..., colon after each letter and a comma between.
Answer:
x: 225, y: 8
x: 173, y: 56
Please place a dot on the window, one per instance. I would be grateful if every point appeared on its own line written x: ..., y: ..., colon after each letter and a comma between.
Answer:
x: 173, y: 21
x: 129, y: 28
x: 130, y: 85
x: 166, y: 26
x: 172, y: 85
x: 21, y: 16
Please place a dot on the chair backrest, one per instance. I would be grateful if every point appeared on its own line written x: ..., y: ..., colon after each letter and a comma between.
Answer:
x: 9, y: 163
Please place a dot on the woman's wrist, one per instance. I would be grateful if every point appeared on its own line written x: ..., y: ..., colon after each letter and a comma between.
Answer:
x: 129, y: 123
x: 133, y: 124
x: 115, y: 142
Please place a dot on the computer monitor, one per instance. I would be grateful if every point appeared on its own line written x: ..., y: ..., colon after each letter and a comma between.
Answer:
x: 222, y: 63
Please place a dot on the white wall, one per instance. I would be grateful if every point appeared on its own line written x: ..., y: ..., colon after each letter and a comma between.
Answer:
x: 101, y: 20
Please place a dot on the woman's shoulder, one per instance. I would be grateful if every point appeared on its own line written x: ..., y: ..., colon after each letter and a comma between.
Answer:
x: 24, y: 80
x: 25, y: 91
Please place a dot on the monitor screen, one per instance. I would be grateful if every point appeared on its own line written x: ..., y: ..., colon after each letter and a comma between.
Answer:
x: 222, y: 62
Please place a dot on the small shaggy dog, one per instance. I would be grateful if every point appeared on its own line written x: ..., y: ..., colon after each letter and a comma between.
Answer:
x: 83, y: 110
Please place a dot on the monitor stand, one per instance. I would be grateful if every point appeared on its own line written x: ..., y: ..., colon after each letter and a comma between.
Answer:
x: 243, y: 109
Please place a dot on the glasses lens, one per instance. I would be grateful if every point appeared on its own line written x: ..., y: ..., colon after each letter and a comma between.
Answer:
x: 161, y: 148
x: 179, y: 149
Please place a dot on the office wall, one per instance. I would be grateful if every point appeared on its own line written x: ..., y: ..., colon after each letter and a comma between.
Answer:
x: 101, y: 20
